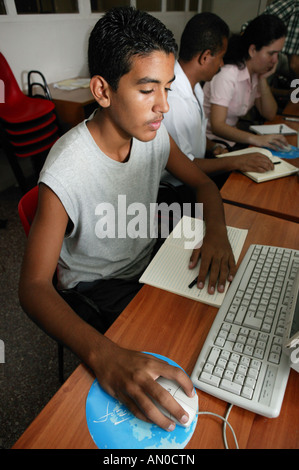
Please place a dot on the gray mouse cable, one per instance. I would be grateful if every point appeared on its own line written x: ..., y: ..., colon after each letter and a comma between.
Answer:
x: 226, y: 422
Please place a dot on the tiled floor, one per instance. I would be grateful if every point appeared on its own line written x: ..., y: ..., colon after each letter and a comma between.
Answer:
x: 29, y: 377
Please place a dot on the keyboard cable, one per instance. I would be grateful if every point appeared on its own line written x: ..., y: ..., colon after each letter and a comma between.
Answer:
x: 226, y: 422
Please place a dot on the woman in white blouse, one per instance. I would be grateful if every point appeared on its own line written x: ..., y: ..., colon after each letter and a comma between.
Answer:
x: 242, y: 83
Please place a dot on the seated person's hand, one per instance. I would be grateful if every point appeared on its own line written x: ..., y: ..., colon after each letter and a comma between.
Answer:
x: 130, y: 377
x: 254, y: 162
x: 272, y: 141
x: 217, y: 260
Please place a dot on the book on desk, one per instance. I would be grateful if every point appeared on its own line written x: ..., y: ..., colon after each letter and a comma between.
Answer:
x: 169, y: 269
x: 281, y: 169
x: 268, y: 129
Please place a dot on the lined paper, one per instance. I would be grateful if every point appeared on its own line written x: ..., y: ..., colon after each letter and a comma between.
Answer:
x: 169, y: 268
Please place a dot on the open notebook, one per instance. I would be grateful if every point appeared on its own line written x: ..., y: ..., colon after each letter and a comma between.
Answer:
x: 281, y: 169
x: 272, y: 129
x: 169, y: 269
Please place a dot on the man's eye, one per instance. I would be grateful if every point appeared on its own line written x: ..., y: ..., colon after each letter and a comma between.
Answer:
x: 168, y: 89
x: 146, y: 92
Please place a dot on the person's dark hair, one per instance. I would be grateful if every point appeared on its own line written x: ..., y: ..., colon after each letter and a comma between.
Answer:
x: 261, y: 32
x: 205, y: 31
x: 121, y: 34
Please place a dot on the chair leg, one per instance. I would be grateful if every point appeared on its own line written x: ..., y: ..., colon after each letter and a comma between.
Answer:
x: 17, y: 172
x: 60, y: 362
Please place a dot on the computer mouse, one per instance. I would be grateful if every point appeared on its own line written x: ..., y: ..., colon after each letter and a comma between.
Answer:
x: 286, y: 148
x: 190, y: 405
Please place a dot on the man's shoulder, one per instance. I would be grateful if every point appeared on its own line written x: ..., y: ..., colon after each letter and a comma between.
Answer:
x: 66, y: 147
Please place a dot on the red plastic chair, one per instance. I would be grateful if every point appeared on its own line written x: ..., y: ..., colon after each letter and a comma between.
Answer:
x: 19, y: 108
x: 27, y: 209
x: 29, y: 125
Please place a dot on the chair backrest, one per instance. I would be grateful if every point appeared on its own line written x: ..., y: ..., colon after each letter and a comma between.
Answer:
x: 27, y: 208
x: 12, y: 91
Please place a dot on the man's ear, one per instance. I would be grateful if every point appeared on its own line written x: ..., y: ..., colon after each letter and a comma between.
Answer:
x: 100, y: 89
x: 204, y: 56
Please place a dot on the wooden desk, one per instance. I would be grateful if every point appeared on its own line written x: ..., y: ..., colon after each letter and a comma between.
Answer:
x: 277, y: 197
x: 72, y: 106
x: 175, y: 327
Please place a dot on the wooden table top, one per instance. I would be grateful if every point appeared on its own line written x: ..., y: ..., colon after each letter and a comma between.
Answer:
x: 176, y: 327
x: 82, y: 96
x: 279, y: 197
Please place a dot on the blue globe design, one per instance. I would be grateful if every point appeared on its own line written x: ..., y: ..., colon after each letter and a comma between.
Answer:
x: 113, y: 426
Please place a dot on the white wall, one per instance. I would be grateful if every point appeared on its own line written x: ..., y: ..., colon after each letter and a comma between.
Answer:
x: 57, y: 44
x: 235, y: 12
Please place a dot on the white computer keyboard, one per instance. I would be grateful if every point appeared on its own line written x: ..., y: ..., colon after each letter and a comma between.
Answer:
x: 242, y: 360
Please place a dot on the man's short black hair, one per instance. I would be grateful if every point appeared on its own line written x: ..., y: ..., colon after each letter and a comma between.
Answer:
x: 205, y: 31
x: 121, y: 34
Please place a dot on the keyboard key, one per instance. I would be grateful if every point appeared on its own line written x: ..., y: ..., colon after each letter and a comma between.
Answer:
x: 238, y: 347
x: 248, y: 350
x: 253, y: 373
x: 250, y: 382
x: 214, y: 354
x: 247, y: 392
x: 219, y: 342
x: 266, y: 327
x: 232, y: 337
x: 232, y: 366
x: 239, y: 379
x: 261, y: 344
x: 228, y: 375
x: 274, y: 358
x: 242, y: 369
x: 235, y: 357
x: 241, y: 339
x: 245, y: 361
x: 230, y: 386
x: 218, y: 371
x: 255, y: 364
x: 225, y: 355
x: 252, y: 322
x: 210, y: 379
x: 208, y: 367
x: 259, y: 353
x: 221, y: 363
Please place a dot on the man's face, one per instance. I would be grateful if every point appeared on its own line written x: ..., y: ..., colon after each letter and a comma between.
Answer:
x: 215, y: 62
x: 138, y: 105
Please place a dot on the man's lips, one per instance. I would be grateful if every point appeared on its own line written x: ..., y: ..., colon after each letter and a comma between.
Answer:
x: 155, y: 125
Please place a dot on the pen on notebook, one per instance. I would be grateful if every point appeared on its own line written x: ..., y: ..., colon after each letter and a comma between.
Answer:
x: 276, y: 163
x: 280, y: 128
x: 193, y: 283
